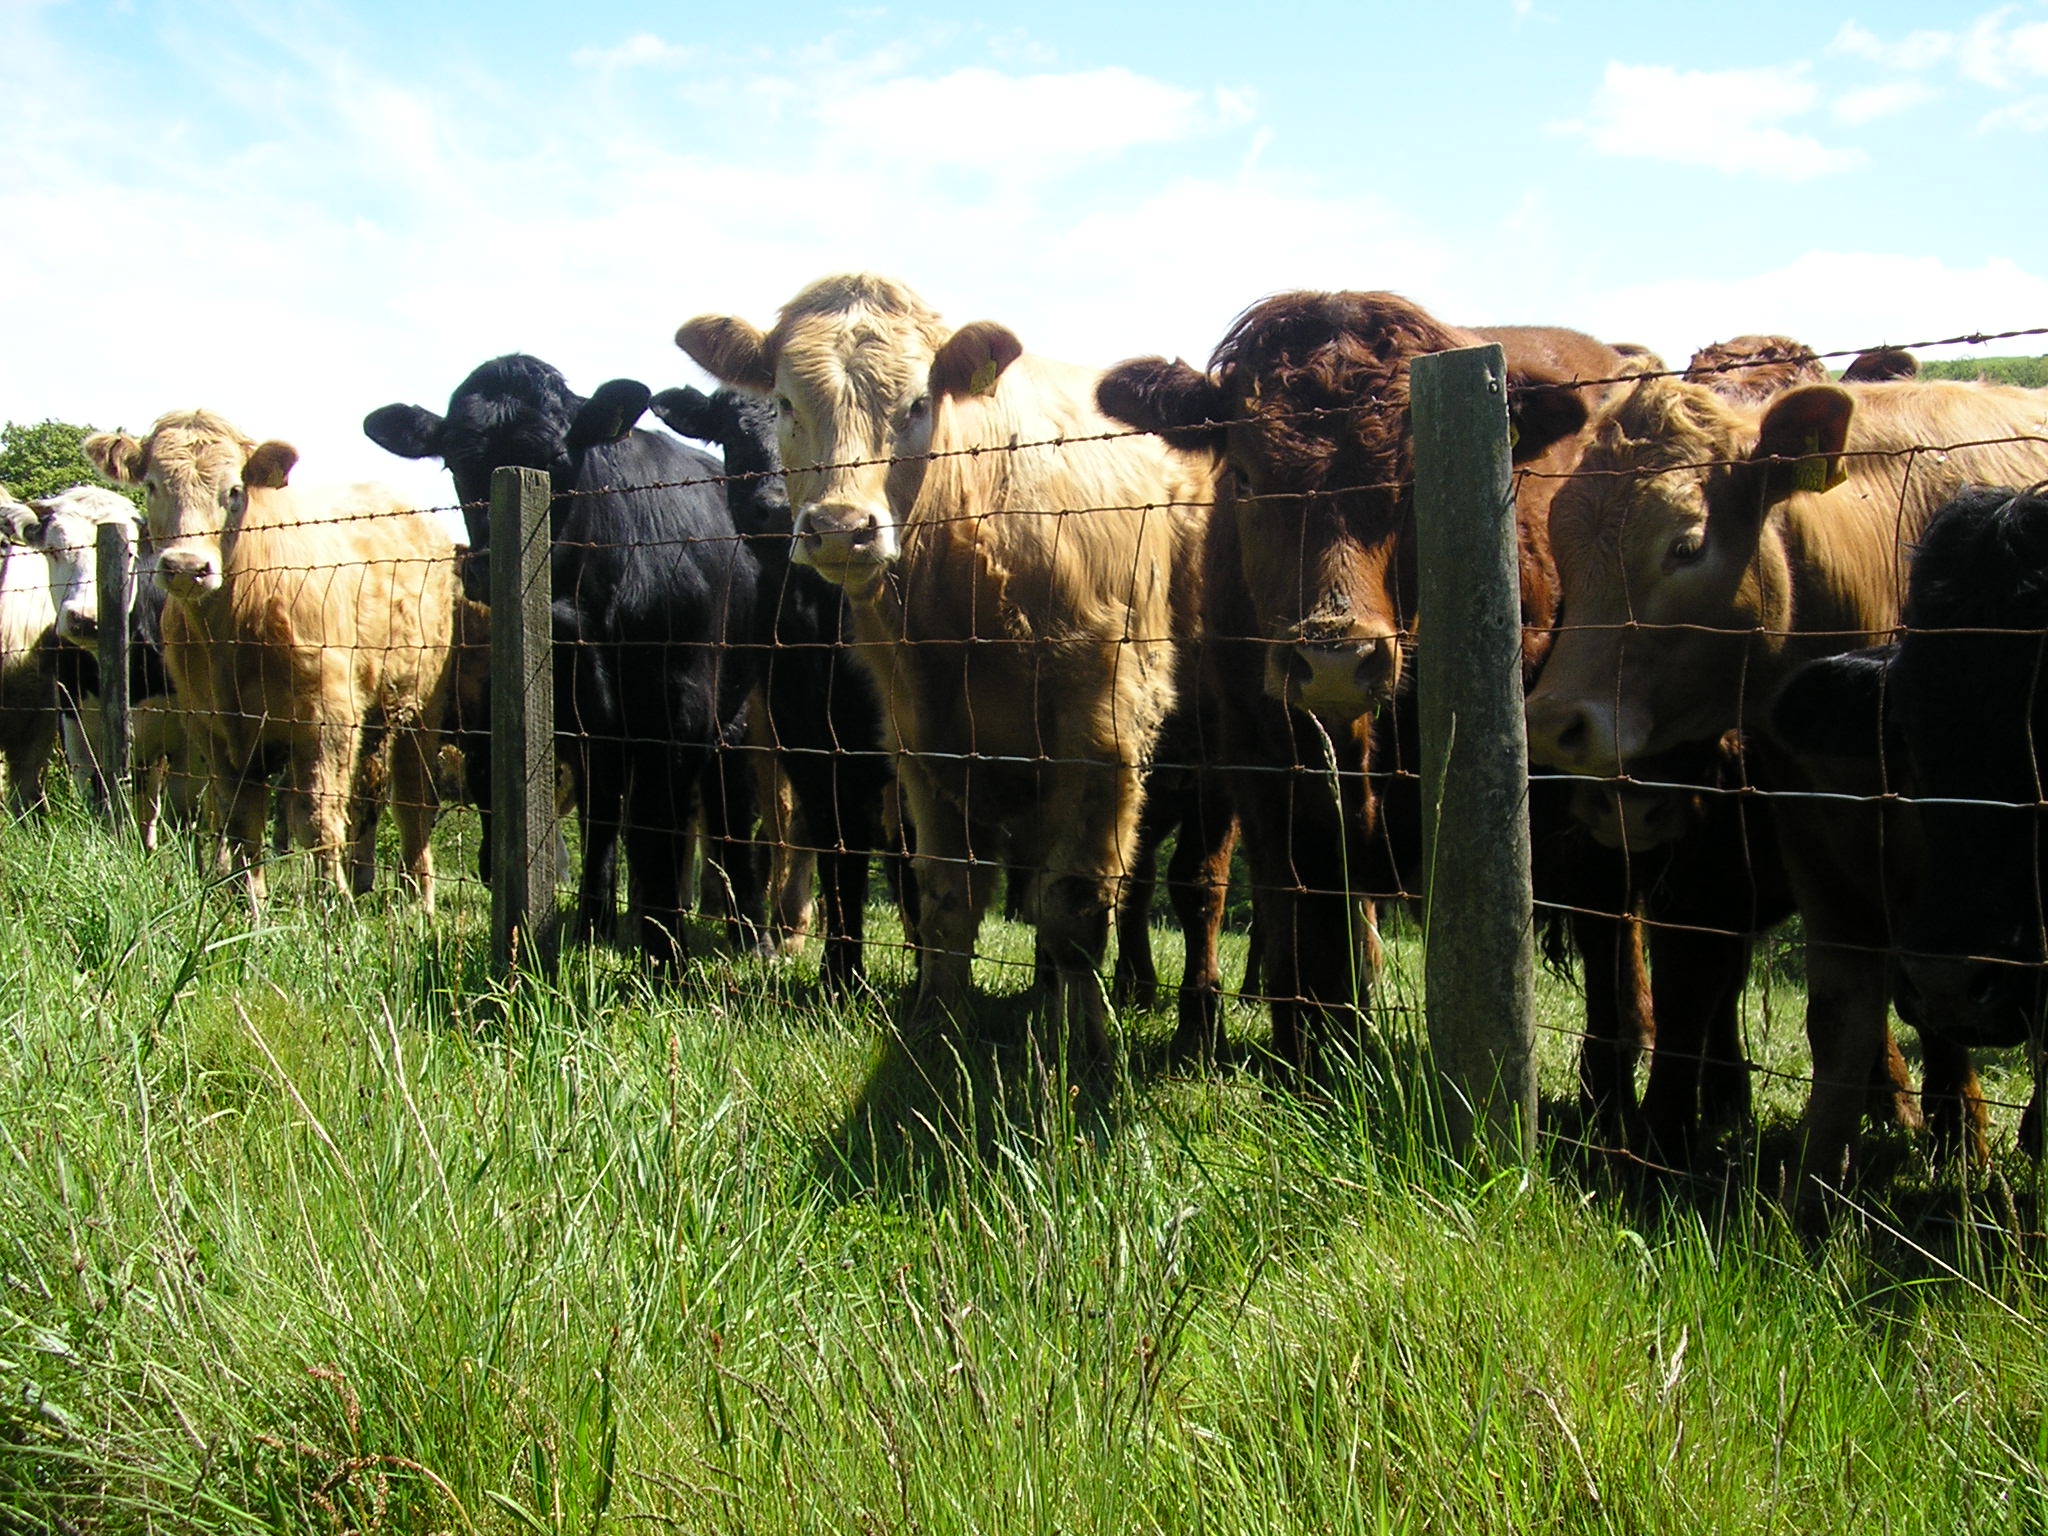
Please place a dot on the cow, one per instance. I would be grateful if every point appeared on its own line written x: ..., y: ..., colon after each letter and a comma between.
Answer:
x: 1022, y: 580
x: 28, y: 677
x: 1755, y: 367
x: 304, y: 629
x: 1707, y: 547
x: 1952, y: 716
x: 1310, y: 617
x: 1881, y: 365
x: 653, y: 623
x: 823, y: 718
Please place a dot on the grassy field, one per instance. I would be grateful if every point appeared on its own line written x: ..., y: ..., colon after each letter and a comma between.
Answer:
x: 305, y: 1225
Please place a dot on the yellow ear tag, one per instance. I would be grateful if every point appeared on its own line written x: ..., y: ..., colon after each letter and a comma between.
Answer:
x: 984, y: 380
x: 1514, y: 435
x: 1817, y: 473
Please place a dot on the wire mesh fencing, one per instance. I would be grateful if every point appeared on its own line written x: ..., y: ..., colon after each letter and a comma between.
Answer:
x: 1028, y: 658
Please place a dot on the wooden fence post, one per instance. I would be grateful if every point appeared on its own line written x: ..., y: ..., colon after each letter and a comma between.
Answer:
x: 1479, y: 963
x: 115, y: 548
x: 523, y: 832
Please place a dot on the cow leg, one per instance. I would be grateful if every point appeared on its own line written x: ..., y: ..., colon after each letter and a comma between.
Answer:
x: 243, y: 801
x: 2030, y: 1119
x: 329, y: 775
x: 1847, y: 1002
x: 600, y: 803
x: 953, y: 891
x: 1617, y: 1017
x: 1952, y: 1101
x: 1697, y: 1072
x: 732, y: 856
x: 844, y: 827
x: 1135, y: 981
x: 414, y: 805
x: 1198, y: 883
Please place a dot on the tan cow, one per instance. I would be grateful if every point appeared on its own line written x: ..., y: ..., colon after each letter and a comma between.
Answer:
x: 305, y: 629
x: 1706, y: 548
x: 1018, y: 599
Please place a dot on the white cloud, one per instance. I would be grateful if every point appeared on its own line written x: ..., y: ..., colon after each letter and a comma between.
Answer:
x: 2028, y: 115
x: 1874, y: 101
x: 641, y: 50
x: 1031, y: 125
x: 1917, y: 50
x: 1722, y: 119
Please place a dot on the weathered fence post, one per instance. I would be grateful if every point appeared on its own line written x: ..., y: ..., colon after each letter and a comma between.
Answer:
x: 1479, y: 965
x: 116, y: 551
x: 523, y: 833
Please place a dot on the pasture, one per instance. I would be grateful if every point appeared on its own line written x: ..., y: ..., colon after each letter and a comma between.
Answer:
x: 307, y: 1225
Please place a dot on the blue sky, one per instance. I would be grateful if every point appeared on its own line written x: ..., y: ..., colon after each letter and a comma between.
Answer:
x: 296, y: 212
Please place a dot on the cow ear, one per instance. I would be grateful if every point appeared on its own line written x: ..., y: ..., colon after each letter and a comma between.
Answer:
x: 973, y: 359
x: 1801, y: 439
x: 1835, y: 707
x: 410, y: 431
x: 115, y: 455
x: 17, y: 522
x: 1881, y: 365
x: 269, y: 466
x: 609, y: 414
x: 1168, y: 399
x: 1541, y: 414
x: 730, y: 350
x: 690, y: 412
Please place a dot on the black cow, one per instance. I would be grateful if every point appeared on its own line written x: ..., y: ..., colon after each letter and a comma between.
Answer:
x: 825, y: 720
x: 1956, y: 711
x: 655, y: 598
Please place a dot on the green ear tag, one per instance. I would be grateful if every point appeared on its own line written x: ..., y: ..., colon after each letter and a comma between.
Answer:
x: 1817, y: 473
x: 984, y: 380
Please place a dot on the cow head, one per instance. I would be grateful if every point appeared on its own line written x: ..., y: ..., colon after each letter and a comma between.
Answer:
x: 1754, y: 368
x: 1956, y: 714
x: 858, y: 369
x: 195, y: 470
x: 743, y: 427
x: 1305, y: 406
x: 511, y: 411
x: 66, y: 528
x: 1670, y: 583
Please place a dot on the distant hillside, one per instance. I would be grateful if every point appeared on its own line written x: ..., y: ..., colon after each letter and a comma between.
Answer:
x: 2030, y: 371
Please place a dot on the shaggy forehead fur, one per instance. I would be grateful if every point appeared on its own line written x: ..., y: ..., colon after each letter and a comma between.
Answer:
x: 1755, y: 367
x: 193, y: 449
x: 857, y: 340
x: 1320, y: 380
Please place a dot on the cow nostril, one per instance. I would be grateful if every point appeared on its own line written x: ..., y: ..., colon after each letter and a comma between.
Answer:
x: 1984, y: 986
x: 1298, y: 668
x: 1571, y: 736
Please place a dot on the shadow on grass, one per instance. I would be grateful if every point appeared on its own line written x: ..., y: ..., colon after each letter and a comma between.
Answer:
x: 1904, y: 1226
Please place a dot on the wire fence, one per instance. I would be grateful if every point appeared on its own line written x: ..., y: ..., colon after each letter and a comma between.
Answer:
x: 1053, y: 686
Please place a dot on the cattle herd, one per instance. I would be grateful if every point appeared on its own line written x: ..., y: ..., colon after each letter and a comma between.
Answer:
x: 1003, y: 622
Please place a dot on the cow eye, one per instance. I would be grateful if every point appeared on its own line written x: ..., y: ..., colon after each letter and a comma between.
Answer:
x: 1240, y: 484
x: 919, y: 409
x: 784, y: 408
x: 1688, y: 547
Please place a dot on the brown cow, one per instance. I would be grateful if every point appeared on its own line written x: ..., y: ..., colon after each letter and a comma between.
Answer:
x: 1755, y: 367
x: 1706, y: 548
x: 1019, y: 601
x: 1311, y: 616
x: 308, y: 629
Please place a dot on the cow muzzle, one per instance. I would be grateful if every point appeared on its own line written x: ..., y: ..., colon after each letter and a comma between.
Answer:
x: 1335, y: 679
x: 1580, y: 736
x: 78, y: 626
x: 187, y: 573
x: 1978, y: 1002
x: 845, y: 543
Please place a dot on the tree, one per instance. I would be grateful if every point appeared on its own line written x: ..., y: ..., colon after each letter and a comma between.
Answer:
x: 45, y: 458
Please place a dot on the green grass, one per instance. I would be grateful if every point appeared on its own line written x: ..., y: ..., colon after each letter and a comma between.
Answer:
x: 2030, y: 372
x: 308, y: 1225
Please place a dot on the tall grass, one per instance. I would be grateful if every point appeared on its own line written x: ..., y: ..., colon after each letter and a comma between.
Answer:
x: 306, y: 1224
